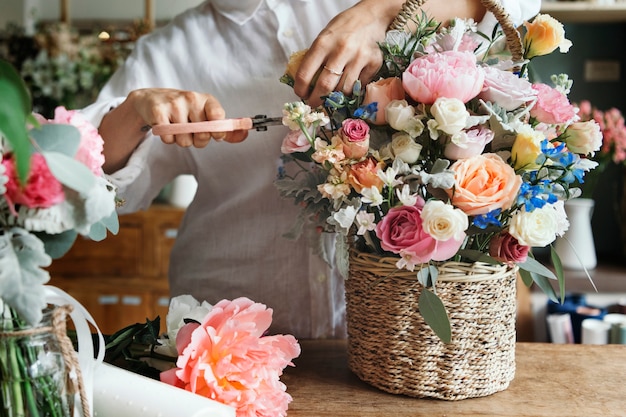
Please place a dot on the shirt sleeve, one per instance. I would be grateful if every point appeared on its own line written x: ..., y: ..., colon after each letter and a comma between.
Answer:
x: 518, y: 10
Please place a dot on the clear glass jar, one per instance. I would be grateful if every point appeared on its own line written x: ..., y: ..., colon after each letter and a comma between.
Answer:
x: 33, y: 378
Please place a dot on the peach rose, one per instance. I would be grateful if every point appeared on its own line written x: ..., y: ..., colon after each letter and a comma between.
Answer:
x: 365, y: 175
x: 383, y: 92
x: 543, y: 35
x: 483, y: 183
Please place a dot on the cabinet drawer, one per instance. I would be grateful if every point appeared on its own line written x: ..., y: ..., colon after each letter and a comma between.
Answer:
x: 117, y: 255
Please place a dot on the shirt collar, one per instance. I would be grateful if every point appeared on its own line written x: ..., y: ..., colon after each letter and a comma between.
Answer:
x: 239, y: 11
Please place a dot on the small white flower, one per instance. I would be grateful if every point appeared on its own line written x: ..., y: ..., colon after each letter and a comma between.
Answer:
x: 345, y: 216
x: 365, y: 221
x: 405, y: 196
x: 372, y: 196
x: 389, y: 177
x: 406, y: 261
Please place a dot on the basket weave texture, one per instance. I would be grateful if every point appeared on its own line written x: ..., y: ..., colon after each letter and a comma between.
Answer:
x: 391, y: 347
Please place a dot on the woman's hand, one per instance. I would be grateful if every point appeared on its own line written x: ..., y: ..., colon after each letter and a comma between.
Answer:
x: 346, y: 50
x: 125, y: 127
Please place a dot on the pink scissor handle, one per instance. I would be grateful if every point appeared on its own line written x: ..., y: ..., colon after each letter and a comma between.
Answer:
x: 225, y: 125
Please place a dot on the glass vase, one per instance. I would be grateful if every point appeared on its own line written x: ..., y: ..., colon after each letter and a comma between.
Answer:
x: 33, y: 378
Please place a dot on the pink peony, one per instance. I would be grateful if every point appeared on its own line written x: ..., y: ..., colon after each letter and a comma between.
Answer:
x: 295, y: 141
x: 91, y: 144
x: 42, y: 189
x: 450, y: 74
x: 552, y: 106
x: 506, y: 248
x: 401, y: 232
x: 229, y: 360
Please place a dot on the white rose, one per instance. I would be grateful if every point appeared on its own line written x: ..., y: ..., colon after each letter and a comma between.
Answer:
x: 443, y: 222
x: 181, y: 308
x: 537, y: 228
x: 399, y: 114
x: 405, y: 148
x: 450, y: 114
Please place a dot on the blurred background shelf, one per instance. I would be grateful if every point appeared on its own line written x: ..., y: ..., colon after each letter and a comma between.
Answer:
x: 585, y: 11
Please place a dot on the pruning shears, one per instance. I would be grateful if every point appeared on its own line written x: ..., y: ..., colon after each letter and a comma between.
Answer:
x: 259, y: 122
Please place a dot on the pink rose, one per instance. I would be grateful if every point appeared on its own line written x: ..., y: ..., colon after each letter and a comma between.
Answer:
x: 449, y: 74
x: 401, y: 231
x: 91, y: 143
x: 383, y: 92
x: 355, y: 136
x: 229, y: 360
x: 506, y: 248
x: 42, y: 189
x: 295, y: 141
x: 506, y: 89
x: 552, y: 106
x: 469, y: 143
x: 483, y: 183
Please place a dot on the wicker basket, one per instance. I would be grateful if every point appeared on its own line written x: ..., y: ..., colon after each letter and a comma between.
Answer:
x: 392, y: 348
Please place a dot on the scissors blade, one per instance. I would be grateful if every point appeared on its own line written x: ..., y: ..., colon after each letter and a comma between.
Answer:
x: 258, y: 122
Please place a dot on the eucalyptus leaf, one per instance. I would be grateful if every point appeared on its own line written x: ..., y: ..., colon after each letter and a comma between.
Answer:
x: 435, y: 315
x: 97, y: 232
x: 527, y: 277
x: 428, y: 276
x: 15, y: 108
x: 57, y: 138
x: 532, y: 265
x: 544, y: 283
x: 58, y: 244
x: 70, y: 172
x: 558, y: 267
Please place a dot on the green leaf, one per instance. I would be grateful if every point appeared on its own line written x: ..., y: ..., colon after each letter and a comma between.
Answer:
x: 15, y: 108
x: 532, y: 265
x: 544, y: 283
x: 70, y: 172
x: 527, y: 277
x: 428, y: 276
x: 57, y: 138
x: 57, y: 245
x: 435, y: 315
x: 558, y: 267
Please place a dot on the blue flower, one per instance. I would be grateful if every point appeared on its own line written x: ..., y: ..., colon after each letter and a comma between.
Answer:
x: 484, y: 220
x: 367, y: 111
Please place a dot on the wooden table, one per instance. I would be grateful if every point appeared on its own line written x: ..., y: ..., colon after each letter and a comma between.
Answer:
x: 551, y: 380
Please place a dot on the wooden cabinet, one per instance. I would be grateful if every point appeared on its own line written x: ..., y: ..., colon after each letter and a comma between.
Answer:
x: 123, y: 279
x: 585, y: 11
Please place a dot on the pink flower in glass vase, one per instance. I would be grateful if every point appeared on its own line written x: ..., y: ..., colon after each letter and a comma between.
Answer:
x: 42, y: 189
x: 91, y: 143
x: 229, y: 359
x: 450, y: 74
x: 552, y: 106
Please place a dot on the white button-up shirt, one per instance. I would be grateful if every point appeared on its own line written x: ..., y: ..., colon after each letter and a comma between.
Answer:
x: 230, y: 243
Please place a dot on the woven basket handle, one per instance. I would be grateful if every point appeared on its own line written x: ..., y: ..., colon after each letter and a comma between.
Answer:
x: 513, y: 40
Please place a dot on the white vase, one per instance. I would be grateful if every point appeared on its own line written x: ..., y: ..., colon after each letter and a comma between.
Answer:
x: 576, y: 248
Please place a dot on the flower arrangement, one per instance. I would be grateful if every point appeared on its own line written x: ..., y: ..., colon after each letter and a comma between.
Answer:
x: 52, y: 188
x: 613, y: 130
x: 221, y: 352
x: 450, y: 153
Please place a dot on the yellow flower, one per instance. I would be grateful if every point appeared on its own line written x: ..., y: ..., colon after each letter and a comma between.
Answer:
x: 526, y: 149
x: 543, y: 35
x: 292, y: 68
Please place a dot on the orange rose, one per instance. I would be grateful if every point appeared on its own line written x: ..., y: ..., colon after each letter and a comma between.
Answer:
x: 543, y: 35
x: 365, y: 175
x: 483, y: 183
x: 382, y: 92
